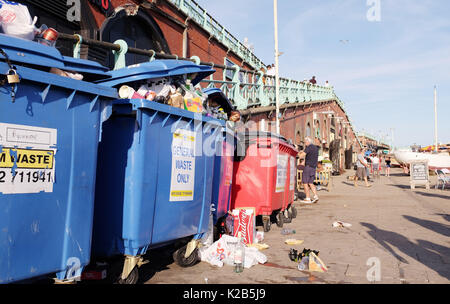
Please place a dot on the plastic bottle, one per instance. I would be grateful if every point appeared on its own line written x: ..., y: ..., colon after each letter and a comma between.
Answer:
x: 239, y: 257
x: 304, y: 263
x: 286, y: 231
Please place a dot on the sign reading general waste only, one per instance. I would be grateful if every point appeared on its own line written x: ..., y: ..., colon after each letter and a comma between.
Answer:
x: 27, y: 159
x: 183, y: 166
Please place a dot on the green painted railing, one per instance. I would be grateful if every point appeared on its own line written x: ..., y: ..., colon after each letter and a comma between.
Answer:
x: 245, y: 88
x: 249, y: 89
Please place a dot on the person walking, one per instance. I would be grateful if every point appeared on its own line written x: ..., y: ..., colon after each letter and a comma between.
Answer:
x: 388, y: 167
x: 311, y: 156
x: 361, y: 166
x: 376, y: 166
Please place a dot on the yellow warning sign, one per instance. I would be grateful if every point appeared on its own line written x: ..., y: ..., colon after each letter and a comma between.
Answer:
x: 26, y: 158
x: 183, y: 136
x: 181, y: 193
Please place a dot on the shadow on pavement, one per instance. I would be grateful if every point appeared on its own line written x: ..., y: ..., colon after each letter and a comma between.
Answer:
x: 434, y: 195
x: 444, y: 216
x: 434, y: 226
x: 401, y: 186
x: 425, y: 252
x: 159, y: 259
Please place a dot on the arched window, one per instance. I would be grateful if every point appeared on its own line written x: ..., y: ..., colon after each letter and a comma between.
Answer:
x: 139, y: 31
x: 308, y: 130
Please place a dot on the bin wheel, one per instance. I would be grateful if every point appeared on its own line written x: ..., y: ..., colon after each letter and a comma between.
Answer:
x: 267, y: 225
x: 293, y: 212
x: 279, y: 219
x: 131, y: 279
x: 178, y: 257
x: 286, y: 215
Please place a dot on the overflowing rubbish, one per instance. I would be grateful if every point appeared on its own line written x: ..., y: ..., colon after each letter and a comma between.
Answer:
x: 179, y: 93
x: 293, y: 255
x: 316, y: 264
x: 223, y: 252
x: 47, y: 36
x: 293, y: 242
x: 341, y: 224
x: 309, y: 260
x: 286, y: 231
x: 16, y: 20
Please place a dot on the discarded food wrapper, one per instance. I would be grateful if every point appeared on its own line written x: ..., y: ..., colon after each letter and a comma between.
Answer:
x: 316, y: 264
x: 193, y: 104
x: 126, y: 92
x: 341, y: 224
x: 146, y: 93
x: 259, y: 236
x: 259, y: 246
x: 293, y: 242
x: 176, y: 100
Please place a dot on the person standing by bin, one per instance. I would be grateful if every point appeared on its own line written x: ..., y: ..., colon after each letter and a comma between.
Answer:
x: 311, y: 156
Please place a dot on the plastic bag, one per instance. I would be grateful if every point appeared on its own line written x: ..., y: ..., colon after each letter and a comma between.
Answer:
x: 222, y: 252
x: 16, y: 20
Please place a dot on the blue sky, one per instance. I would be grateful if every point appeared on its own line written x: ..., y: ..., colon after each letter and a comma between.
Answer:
x: 385, y: 73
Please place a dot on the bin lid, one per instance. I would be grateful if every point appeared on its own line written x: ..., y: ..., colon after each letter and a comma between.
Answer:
x: 36, y: 54
x: 261, y: 134
x: 30, y: 52
x: 218, y: 96
x: 157, y: 69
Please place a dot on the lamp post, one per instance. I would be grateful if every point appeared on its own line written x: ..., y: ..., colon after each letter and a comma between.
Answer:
x: 435, y: 120
x: 277, y: 75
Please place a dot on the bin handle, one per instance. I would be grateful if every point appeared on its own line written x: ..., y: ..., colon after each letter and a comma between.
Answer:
x: 152, y: 58
x: 264, y: 146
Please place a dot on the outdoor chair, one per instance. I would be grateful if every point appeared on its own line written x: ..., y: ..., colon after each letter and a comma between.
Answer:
x: 322, y: 177
x: 442, y: 178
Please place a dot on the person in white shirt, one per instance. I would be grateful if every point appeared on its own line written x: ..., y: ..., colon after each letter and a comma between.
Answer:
x: 376, y: 165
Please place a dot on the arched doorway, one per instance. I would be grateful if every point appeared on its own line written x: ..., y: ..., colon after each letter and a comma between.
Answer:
x: 138, y: 29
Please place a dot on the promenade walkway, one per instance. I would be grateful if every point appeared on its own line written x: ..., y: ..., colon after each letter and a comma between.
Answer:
x: 407, y: 232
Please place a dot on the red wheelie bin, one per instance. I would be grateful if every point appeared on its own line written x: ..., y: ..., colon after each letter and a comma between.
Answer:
x: 260, y: 174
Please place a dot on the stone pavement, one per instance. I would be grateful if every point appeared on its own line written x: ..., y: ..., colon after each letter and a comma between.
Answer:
x: 405, y: 232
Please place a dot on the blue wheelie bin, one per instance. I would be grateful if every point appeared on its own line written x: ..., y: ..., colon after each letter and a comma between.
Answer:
x: 223, y: 163
x: 155, y: 172
x: 49, y: 134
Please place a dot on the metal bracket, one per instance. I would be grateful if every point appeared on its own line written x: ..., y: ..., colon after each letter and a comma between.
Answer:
x: 77, y: 47
x: 196, y: 59
x: 119, y: 56
x: 130, y: 263
x: 152, y: 58
x: 191, y: 247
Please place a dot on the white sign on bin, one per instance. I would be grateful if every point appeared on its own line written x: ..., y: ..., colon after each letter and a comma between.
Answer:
x: 183, y: 166
x: 293, y: 170
x: 282, y: 164
x: 27, y: 159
